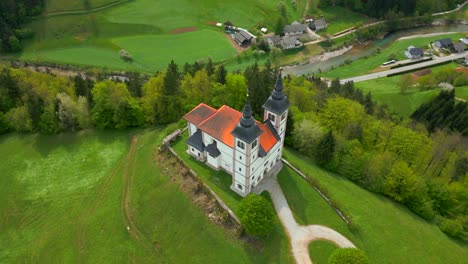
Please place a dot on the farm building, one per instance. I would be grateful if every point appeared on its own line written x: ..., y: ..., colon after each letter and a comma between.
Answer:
x: 284, y: 42
x: 249, y: 150
x: 317, y: 25
x: 414, y: 53
x: 457, y: 47
x: 443, y: 43
x: 243, y: 37
x: 295, y: 29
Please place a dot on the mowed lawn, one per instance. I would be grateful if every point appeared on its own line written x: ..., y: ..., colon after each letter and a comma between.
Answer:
x: 387, y: 91
x: 386, y: 231
x: 339, y: 19
x: 366, y: 65
x: 52, y: 6
x: 61, y: 202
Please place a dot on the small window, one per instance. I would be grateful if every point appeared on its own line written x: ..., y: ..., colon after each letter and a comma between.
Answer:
x: 240, y: 157
x: 266, y: 163
x: 198, y: 154
x: 271, y: 117
x: 282, y: 128
x: 254, y: 144
x: 239, y: 186
x: 240, y: 169
x: 279, y: 149
x: 253, y: 156
x: 193, y: 150
x: 252, y: 168
x: 283, y: 116
x: 240, y: 144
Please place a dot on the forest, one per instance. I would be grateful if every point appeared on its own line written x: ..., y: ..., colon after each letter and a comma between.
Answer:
x: 418, y: 162
x: 13, y: 14
x: 381, y: 8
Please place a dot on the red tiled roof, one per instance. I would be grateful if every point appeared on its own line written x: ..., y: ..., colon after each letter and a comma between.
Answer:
x: 220, y: 124
x: 199, y: 114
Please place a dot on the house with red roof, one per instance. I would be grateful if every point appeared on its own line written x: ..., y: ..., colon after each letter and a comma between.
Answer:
x: 247, y: 149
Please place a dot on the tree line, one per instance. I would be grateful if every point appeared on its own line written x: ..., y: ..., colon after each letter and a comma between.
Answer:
x: 344, y: 131
x: 341, y: 128
x: 13, y: 15
x: 380, y: 8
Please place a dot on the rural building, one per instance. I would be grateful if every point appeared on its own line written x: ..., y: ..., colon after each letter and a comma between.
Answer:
x: 443, y: 43
x: 295, y: 29
x: 249, y: 150
x: 317, y: 25
x: 457, y: 47
x: 243, y: 38
x: 273, y: 41
x: 414, y: 53
x: 290, y: 43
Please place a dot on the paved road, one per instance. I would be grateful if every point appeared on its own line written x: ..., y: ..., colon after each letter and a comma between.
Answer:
x: 435, y: 61
x: 300, y: 236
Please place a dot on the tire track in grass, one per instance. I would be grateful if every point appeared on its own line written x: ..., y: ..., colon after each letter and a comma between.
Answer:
x: 99, y: 194
x: 125, y: 207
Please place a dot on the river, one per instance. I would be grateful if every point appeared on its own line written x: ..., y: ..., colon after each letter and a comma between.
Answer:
x: 367, y: 50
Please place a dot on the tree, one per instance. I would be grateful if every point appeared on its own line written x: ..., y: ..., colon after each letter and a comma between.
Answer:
x: 325, y: 149
x: 348, y: 256
x: 14, y: 44
x: 452, y: 227
x: 256, y: 215
x: 151, y: 96
x: 279, y: 28
x: 210, y: 69
x: 221, y: 74
x: 405, y: 83
x: 169, y: 103
x: 274, y: 54
x: 339, y: 112
x: 306, y: 136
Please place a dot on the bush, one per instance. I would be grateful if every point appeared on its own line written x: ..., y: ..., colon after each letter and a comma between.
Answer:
x: 451, y: 227
x: 256, y: 215
x: 348, y: 256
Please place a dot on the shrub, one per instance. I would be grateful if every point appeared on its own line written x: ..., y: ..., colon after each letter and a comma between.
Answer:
x: 451, y: 227
x: 348, y: 256
x: 256, y: 215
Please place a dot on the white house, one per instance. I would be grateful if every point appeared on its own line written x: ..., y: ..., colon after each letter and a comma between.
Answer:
x: 295, y: 29
x: 235, y: 142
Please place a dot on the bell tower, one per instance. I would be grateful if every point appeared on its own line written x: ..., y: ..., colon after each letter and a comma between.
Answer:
x: 276, y: 108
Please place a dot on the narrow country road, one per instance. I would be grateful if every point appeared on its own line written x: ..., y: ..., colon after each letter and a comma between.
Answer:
x: 435, y: 61
x: 299, y: 236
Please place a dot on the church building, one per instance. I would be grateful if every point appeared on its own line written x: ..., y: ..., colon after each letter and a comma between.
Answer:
x: 235, y: 142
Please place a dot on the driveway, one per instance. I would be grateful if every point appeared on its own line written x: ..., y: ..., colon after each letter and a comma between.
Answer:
x: 299, y: 236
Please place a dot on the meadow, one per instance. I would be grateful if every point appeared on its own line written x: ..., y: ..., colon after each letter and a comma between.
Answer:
x: 154, y: 32
x: 385, y: 230
x: 387, y: 91
x: 100, y: 197
x: 367, y: 65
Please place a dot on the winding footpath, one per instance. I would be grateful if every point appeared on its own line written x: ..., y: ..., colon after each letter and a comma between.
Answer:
x: 300, y: 236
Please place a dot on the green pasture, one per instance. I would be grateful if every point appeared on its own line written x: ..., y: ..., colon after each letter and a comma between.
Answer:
x: 462, y: 92
x: 61, y: 202
x: 366, y: 65
x: 339, y: 19
x: 387, y: 91
x: 53, y: 6
x: 320, y: 251
x: 181, y: 48
x: 385, y: 230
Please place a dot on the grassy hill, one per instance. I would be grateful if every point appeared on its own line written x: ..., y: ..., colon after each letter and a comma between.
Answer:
x: 154, y: 32
x: 385, y: 230
x: 63, y: 200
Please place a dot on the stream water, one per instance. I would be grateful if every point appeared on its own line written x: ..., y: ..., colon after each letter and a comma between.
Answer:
x: 367, y: 50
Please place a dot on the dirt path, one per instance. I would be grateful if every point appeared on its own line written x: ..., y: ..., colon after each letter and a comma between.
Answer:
x: 300, y: 236
x: 82, y: 12
x: 426, y: 35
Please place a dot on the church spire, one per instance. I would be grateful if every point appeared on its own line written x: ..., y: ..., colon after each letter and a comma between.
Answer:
x: 247, y: 120
x: 278, y: 91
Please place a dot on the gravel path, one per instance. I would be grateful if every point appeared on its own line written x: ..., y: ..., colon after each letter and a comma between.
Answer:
x: 300, y: 236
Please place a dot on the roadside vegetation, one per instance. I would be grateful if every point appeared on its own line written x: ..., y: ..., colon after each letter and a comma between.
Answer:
x: 403, y: 94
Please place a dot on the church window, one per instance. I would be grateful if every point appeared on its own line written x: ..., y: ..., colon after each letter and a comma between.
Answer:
x: 271, y: 117
x: 240, y: 157
x: 240, y: 144
x: 239, y: 186
x: 283, y: 116
x: 254, y: 144
x: 240, y: 169
x: 193, y: 150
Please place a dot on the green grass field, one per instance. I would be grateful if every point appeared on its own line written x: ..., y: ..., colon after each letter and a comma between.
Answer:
x: 366, y: 65
x: 145, y: 28
x: 339, y: 19
x: 62, y: 200
x: 386, y: 231
x: 387, y: 91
